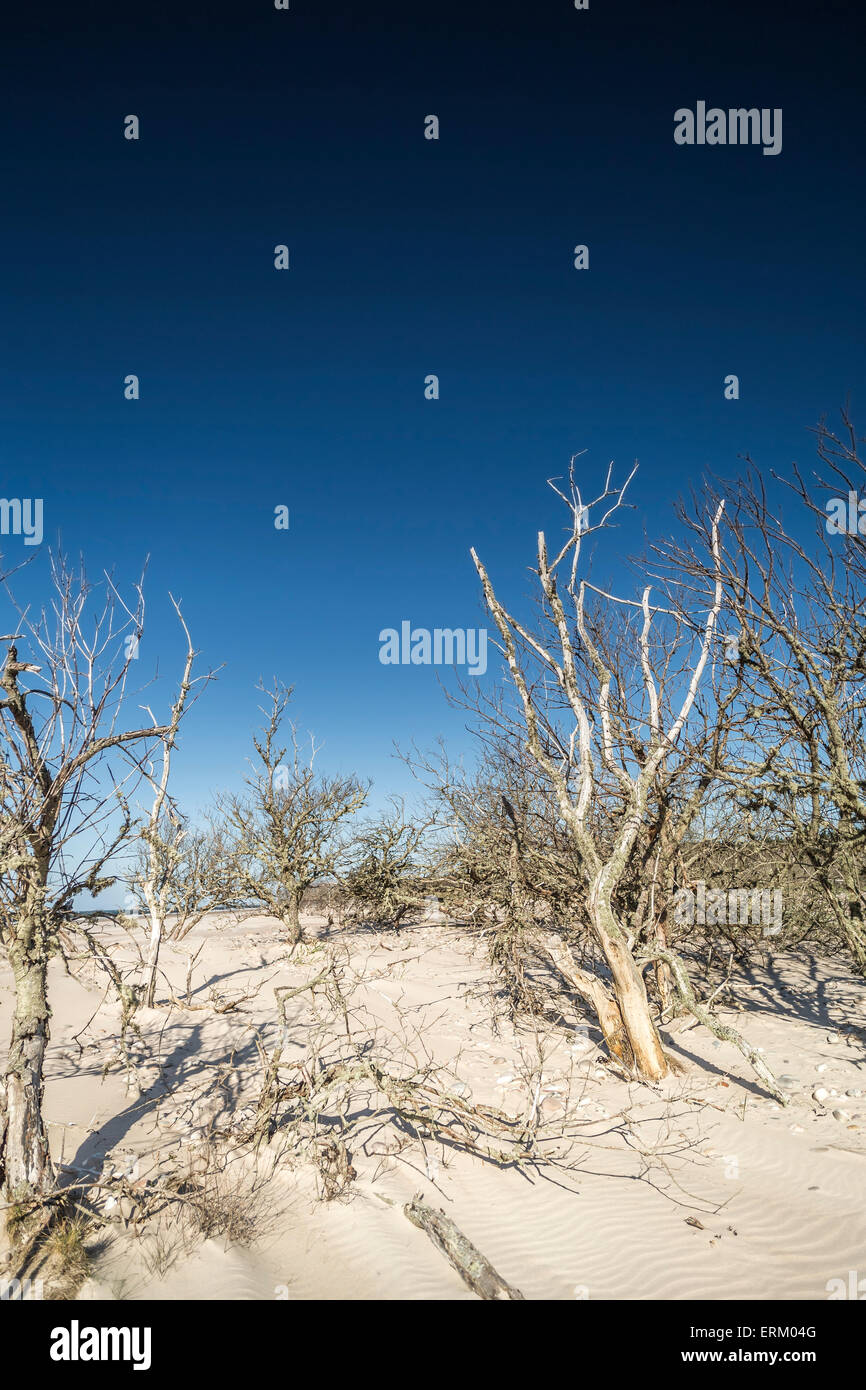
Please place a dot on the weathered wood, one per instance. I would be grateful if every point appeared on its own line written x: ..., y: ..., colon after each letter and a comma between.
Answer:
x: 471, y: 1265
x: 723, y: 1031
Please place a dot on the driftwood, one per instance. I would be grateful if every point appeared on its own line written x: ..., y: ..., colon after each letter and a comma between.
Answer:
x: 470, y: 1264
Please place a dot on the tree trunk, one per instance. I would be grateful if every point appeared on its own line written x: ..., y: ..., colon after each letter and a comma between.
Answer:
x: 292, y: 917
x: 25, y: 1163
x: 852, y: 918
x: 152, y: 961
x: 614, y: 1032
x: 664, y: 984
x: 603, y: 1003
x: 630, y: 991
x: 664, y: 979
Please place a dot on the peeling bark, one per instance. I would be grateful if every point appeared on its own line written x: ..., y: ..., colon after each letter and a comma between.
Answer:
x: 602, y: 1002
x: 647, y: 1053
x: 25, y: 1164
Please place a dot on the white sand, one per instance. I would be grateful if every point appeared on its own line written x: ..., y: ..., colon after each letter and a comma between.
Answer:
x: 778, y: 1191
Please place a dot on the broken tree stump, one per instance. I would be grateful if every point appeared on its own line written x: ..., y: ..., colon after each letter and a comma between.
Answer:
x: 473, y: 1268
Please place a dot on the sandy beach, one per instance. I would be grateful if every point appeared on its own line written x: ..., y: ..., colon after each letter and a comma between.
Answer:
x: 698, y: 1187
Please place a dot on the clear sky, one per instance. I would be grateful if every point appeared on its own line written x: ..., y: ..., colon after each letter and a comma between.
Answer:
x: 408, y: 257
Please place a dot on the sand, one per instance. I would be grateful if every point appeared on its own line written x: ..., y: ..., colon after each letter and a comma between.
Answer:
x: 701, y: 1186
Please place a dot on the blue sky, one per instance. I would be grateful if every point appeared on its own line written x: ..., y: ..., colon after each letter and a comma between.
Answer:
x: 408, y: 257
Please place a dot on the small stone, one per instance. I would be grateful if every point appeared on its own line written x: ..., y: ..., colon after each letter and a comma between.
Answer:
x: 841, y: 1115
x: 832, y: 1037
x: 503, y: 1080
x: 820, y: 1094
x: 822, y: 1066
x: 552, y: 1108
x: 796, y: 1129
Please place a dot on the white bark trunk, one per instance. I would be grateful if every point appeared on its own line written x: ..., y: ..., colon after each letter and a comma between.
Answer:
x: 25, y: 1162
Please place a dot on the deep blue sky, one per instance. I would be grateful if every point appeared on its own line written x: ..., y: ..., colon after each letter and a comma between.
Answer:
x: 408, y: 257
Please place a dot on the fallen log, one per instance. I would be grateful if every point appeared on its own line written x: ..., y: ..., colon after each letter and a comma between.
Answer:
x: 471, y: 1265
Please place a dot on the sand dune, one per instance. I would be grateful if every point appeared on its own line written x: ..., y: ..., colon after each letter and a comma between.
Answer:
x: 700, y: 1187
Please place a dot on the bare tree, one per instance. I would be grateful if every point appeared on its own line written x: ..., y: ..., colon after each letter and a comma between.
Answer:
x: 66, y: 768
x: 386, y: 866
x: 797, y: 616
x: 682, y: 786
x: 575, y: 761
x: 502, y: 861
x: 181, y: 876
x: 281, y: 837
x: 164, y: 832
x: 202, y: 880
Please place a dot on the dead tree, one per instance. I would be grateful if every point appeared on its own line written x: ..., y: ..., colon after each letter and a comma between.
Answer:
x: 202, y: 880
x: 680, y: 793
x: 796, y: 613
x: 67, y: 765
x: 163, y: 833
x: 385, y: 868
x: 281, y: 837
x: 575, y: 761
x: 502, y: 861
x: 182, y: 874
